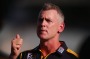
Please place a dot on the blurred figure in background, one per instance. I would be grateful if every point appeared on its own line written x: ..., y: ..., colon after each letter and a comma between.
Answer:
x: 50, y: 24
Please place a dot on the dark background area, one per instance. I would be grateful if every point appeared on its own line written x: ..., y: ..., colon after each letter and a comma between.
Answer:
x: 76, y: 12
x: 20, y: 13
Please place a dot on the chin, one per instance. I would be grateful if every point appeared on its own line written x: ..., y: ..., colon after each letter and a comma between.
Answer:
x: 43, y: 37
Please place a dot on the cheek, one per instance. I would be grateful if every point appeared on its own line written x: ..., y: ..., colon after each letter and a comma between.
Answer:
x: 54, y: 28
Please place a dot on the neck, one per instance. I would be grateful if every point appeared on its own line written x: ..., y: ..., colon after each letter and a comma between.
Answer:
x: 49, y: 46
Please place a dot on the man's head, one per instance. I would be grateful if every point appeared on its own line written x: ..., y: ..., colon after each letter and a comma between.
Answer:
x: 50, y: 6
x: 50, y: 22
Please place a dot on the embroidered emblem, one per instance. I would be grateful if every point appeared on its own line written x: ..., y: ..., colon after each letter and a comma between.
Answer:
x: 61, y: 49
x: 29, y: 56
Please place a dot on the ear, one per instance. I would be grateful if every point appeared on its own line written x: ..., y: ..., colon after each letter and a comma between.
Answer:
x: 61, y: 27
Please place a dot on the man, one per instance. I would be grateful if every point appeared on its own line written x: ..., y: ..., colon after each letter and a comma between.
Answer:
x: 50, y: 25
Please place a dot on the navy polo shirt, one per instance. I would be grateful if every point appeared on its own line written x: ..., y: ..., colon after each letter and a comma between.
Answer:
x: 61, y: 53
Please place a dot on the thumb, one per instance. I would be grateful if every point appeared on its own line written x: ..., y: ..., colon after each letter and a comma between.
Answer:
x: 17, y: 36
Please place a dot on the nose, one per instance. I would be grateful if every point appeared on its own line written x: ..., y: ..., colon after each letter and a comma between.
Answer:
x: 43, y: 24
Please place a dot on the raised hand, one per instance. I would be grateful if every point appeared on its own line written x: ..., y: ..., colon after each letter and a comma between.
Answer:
x: 16, y: 44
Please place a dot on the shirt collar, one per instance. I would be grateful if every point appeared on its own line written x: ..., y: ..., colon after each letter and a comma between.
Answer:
x: 60, y: 50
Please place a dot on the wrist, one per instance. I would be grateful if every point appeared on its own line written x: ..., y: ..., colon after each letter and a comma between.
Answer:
x: 12, y: 56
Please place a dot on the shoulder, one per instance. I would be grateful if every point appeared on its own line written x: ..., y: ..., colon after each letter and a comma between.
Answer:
x: 23, y: 54
x: 28, y: 53
x: 73, y: 54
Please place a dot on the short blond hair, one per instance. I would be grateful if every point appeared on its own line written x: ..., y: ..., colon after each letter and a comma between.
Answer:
x: 50, y: 6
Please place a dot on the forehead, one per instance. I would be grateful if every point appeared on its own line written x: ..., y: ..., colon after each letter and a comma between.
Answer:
x: 52, y: 14
x: 49, y: 12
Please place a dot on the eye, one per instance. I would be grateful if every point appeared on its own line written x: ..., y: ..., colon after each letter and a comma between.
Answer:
x: 40, y: 19
x: 48, y: 20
